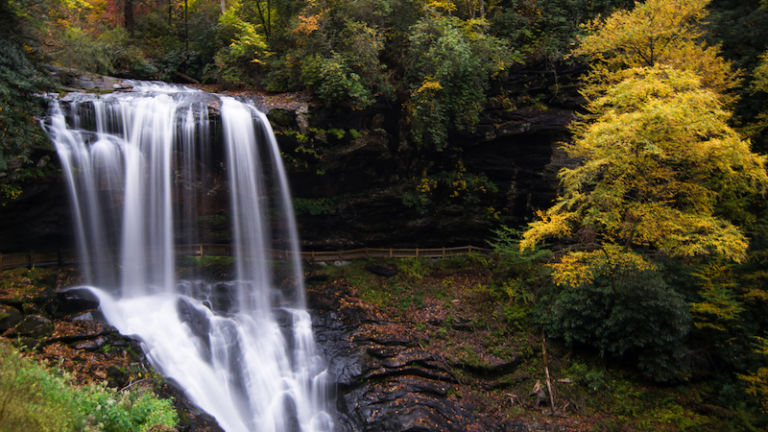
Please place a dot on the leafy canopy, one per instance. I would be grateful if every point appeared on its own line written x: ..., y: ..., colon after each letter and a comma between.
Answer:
x: 658, y: 163
x: 657, y: 32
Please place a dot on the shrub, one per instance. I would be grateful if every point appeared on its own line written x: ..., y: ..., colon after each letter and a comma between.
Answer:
x: 627, y: 313
x: 339, y: 84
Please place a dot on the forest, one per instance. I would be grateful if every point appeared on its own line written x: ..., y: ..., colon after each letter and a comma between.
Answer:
x: 647, y: 265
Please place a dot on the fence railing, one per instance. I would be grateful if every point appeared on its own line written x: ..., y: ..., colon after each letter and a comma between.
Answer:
x: 60, y: 258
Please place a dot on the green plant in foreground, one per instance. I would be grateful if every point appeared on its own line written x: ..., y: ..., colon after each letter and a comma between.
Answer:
x: 37, y: 398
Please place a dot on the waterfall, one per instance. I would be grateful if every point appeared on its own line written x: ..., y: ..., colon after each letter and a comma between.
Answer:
x: 144, y: 169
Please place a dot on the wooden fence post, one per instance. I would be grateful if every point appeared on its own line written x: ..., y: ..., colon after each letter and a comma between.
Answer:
x: 417, y: 252
x: 390, y: 252
x: 200, y: 250
x: 443, y: 251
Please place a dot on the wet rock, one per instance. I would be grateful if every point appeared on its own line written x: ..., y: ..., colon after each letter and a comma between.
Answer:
x: 91, y: 345
x: 223, y: 298
x: 73, y: 301
x: 384, y: 382
x: 84, y: 317
x: 381, y: 270
x: 191, y: 418
x: 32, y: 326
x: 9, y: 317
x: 76, y: 80
x: 198, y: 323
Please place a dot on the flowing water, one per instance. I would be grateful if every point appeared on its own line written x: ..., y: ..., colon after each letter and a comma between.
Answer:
x: 149, y: 172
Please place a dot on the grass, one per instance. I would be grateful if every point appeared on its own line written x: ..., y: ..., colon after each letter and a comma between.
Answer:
x: 35, y: 397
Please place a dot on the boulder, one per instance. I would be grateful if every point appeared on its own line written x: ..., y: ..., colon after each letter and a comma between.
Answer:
x: 73, y: 301
x: 33, y: 326
x: 9, y: 317
x: 381, y: 270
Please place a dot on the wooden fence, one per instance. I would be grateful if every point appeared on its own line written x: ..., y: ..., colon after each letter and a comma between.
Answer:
x: 47, y: 259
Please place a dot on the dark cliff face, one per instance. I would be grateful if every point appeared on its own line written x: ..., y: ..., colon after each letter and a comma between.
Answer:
x: 347, y: 175
x: 360, y: 183
x: 519, y: 156
x: 38, y: 220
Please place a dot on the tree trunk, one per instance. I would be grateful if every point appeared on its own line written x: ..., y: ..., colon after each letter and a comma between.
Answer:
x: 186, y: 34
x: 128, y: 16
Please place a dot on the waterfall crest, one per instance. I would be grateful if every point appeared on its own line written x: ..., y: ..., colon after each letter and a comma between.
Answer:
x: 144, y: 168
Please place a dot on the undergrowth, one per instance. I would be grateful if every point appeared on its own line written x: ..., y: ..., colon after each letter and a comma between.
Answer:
x: 479, y: 311
x: 34, y: 397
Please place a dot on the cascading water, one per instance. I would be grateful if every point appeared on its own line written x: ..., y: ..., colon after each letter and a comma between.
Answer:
x: 142, y: 173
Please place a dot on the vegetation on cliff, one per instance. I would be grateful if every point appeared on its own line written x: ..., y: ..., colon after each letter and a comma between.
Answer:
x: 23, y: 155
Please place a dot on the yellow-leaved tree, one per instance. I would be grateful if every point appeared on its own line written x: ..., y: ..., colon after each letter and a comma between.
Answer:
x: 661, y: 169
x: 656, y: 32
x: 661, y: 173
x: 657, y: 159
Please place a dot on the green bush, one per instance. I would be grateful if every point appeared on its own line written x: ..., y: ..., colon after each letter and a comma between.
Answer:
x: 339, y: 84
x: 625, y: 313
x: 411, y: 270
x: 36, y: 398
x: 521, y: 274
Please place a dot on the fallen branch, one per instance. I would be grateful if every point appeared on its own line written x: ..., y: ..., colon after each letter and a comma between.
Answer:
x: 546, y: 372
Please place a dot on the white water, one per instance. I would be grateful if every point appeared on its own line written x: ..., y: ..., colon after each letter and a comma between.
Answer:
x: 141, y: 176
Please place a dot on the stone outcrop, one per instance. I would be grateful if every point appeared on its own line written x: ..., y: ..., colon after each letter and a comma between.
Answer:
x: 76, y: 80
x: 385, y: 382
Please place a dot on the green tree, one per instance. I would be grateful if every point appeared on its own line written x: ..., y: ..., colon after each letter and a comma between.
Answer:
x: 545, y: 30
x: 661, y: 174
x: 450, y: 66
x: 757, y: 381
x: 244, y: 49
